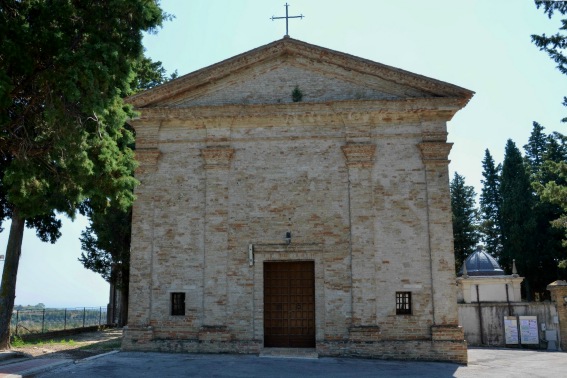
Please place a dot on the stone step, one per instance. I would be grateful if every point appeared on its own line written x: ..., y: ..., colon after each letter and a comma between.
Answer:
x: 303, y: 353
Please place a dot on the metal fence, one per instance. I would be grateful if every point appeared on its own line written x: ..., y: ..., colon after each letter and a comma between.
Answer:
x: 47, y: 320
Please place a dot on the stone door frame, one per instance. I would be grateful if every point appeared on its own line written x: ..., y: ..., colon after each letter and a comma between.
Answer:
x: 282, y: 253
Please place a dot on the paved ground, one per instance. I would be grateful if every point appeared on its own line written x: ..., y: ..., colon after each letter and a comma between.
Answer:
x: 482, y: 363
x: 28, y: 366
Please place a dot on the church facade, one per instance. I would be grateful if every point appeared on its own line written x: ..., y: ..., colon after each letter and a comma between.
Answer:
x: 295, y: 197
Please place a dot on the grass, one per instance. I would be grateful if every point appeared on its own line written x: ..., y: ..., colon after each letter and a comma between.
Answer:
x: 88, y: 345
x: 17, y: 342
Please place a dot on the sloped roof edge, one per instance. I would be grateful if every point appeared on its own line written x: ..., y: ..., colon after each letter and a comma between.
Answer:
x: 289, y: 45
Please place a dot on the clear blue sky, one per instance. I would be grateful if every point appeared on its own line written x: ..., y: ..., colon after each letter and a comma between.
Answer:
x: 482, y: 45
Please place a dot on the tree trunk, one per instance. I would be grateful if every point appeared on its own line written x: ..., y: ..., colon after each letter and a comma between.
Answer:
x: 9, y: 275
x: 124, y: 286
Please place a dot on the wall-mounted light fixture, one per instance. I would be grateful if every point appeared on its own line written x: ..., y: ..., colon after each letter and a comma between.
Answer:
x: 288, y: 237
x: 250, y: 254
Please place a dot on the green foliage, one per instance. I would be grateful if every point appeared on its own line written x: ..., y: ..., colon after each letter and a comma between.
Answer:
x: 296, y: 94
x: 535, y: 148
x: 517, y: 203
x: 518, y: 220
x: 554, y: 45
x: 17, y: 342
x: 149, y: 74
x: 555, y: 192
x: 465, y: 219
x: 106, y: 242
x: 550, y: 180
x: 39, y: 306
x: 490, y: 206
x: 518, y: 210
x: 547, y: 238
x: 64, y: 68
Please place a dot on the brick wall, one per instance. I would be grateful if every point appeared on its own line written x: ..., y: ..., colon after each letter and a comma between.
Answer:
x: 362, y: 186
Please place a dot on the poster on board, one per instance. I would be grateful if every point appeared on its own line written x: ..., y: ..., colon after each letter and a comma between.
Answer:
x: 529, y: 330
x: 511, y: 330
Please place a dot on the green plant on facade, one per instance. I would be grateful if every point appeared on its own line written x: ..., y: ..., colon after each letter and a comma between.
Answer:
x: 296, y: 94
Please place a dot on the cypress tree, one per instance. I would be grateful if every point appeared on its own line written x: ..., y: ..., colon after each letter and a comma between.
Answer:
x: 535, y: 148
x: 465, y: 219
x: 490, y: 205
x: 518, y: 223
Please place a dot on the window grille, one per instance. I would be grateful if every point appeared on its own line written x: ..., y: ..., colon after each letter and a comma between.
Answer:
x: 403, y: 303
x: 177, y: 303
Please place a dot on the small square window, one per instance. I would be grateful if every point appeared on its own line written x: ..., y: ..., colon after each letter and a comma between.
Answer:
x: 178, y: 304
x: 403, y: 303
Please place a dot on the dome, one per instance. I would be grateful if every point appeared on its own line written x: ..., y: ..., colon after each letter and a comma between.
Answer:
x: 481, y: 263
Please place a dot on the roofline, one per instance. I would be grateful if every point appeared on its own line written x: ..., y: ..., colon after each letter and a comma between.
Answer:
x: 292, y: 46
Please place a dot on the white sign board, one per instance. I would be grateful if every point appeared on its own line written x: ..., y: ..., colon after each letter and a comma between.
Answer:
x: 511, y: 330
x: 529, y: 330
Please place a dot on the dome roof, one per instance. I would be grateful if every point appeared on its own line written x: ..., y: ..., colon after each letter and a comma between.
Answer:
x: 481, y: 263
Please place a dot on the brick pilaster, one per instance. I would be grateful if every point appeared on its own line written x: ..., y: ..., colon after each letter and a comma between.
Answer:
x: 359, y: 160
x: 435, y: 158
x: 142, y: 242
x: 217, y: 168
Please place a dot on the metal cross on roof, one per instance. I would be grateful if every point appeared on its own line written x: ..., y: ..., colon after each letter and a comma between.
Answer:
x: 287, y: 17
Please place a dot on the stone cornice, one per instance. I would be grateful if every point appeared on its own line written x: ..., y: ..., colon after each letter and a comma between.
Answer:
x: 440, y: 136
x: 473, y: 280
x: 359, y: 155
x: 288, y: 248
x: 435, y: 152
x: 217, y: 157
x: 387, y: 110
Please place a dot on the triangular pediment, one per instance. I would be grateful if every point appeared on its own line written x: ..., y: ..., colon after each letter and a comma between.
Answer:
x: 269, y: 75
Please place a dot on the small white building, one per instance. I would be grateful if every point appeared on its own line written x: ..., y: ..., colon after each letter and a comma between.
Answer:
x: 481, y: 279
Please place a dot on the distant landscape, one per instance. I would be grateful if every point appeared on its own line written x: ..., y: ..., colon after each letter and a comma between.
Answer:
x: 39, y: 319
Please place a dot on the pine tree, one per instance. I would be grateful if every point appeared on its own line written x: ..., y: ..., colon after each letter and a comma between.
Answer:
x: 465, y: 219
x: 551, y: 187
x: 542, y: 152
x: 556, y: 148
x: 518, y: 223
x: 552, y: 182
x: 490, y: 206
x: 554, y: 45
x: 535, y: 148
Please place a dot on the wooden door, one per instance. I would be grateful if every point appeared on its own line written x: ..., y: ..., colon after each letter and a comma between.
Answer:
x: 289, y: 304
